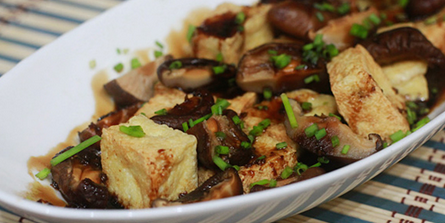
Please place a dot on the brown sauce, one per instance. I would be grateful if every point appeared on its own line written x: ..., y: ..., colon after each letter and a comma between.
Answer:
x: 37, y: 191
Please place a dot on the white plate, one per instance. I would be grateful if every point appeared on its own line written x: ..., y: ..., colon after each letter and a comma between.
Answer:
x: 49, y: 93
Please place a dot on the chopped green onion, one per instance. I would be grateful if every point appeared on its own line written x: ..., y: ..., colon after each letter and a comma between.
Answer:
x: 273, y: 183
x: 320, y: 134
x: 69, y: 153
x: 251, y: 138
x: 219, y: 106
x: 236, y: 167
x: 267, y: 93
x: 311, y: 130
x: 185, y: 126
x: 324, y: 7
x: 236, y: 120
x: 219, y: 57
x: 220, y: 163
x: 344, y: 8
x: 383, y: 16
x: 118, y: 67
x: 412, y: 105
x: 397, y: 136
x: 319, y: 16
x: 265, y: 123
x: 286, y: 172
x: 125, y: 51
x: 219, y: 69
x: 190, y: 32
x: 159, y: 44
x: 410, y: 116
x: 246, y: 145
x: 431, y: 20
x: 434, y: 90
x: 308, y: 47
x: 300, y: 167
x: 345, y: 149
x: 359, y: 31
x: 222, y: 149
x: 281, y: 61
x: 272, y: 52
x: 261, y: 182
x: 43, y: 173
x: 132, y: 130
x: 335, y: 141
x: 421, y: 123
x: 256, y: 131
x: 199, y: 120
x: 375, y: 19
x: 318, y: 40
x: 334, y: 115
x: 332, y: 50
x: 323, y: 160
x: 311, y: 79
x: 289, y: 111
x: 118, y: 51
x: 240, y: 17
x: 161, y: 112
x: 385, y: 144
x: 158, y: 53
x: 191, y: 124
x: 220, y: 135
x: 403, y: 3
x: 281, y: 145
x: 306, y: 106
x: 261, y: 157
x: 143, y: 113
x: 92, y: 64
x: 135, y: 63
x: 300, y: 67
x: 175, y: 65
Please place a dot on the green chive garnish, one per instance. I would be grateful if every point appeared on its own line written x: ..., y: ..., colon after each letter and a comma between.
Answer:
x: 43, y: 173
x: 289, y: 112
x: 81, y: 146
x: 133, y: 130
x: 306, y: 106
x: 261, y: 182
x: 397, y: 136
x: 359, y: 31
x: 272, y: 52
x: 236, y: 167
x: 190, y: 32
x: 219, y: 69
x: 236, y: 120
x: 281, y: 145
x: 92, y: 64
x: 159, y: 44
x: 222, y: 149
x: 246, y: 145
x: 219, y: 106
x: 311, y: 79
x: 220, y: 163
x: 318, y: 40
x: 286, y: 172
x: 118, y: 67
x: 300, y: 67
x: 344, y: 9
x: 320, y: 16
x: 333, y: 115
x: 185, y: 126
x: 219, y: 57
x: 135, y: 63
x: 199, y: 120
x: 410, y: 116
x: 220, y: 135
x: 191, y: 124
x: 320, y: 134
x: 421, y: 123
x: 375, y: 19
x: 335, y: 141
x: 311, y: 130
x: 345, y: 149
x: 281, y: 61
x: 261, y: 157
x: 240, y: 17
x: 175, y: 65
x: 300, y: 167
x: 265, y: 123
x: 272, y: 183
x: 161, y: 112
x: 267, y: 93
x: 158, y: 53
x: 331, y: 50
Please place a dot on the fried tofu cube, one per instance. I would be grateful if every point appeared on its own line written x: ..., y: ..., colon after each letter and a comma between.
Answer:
x: 161, y: 164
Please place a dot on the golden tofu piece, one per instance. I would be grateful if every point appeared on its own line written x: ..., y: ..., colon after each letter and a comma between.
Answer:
x: 164, y: 97
x: 408, y: 77
x: 257, y: 29
x: 140, y: 170
x: 364, y: 94
x: 242, y: 103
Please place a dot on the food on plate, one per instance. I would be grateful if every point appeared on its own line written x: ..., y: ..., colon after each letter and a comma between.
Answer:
x: 268, y: 95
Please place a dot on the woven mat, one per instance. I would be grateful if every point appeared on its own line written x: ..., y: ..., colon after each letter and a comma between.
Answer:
x: 411, y: 191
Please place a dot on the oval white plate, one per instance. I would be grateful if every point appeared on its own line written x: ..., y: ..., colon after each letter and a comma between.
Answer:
x: 49, y: 93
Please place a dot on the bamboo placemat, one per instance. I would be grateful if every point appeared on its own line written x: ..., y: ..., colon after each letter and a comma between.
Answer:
x: 411, y: 191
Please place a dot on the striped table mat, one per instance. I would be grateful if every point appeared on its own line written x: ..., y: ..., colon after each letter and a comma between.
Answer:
x: 411, y: 191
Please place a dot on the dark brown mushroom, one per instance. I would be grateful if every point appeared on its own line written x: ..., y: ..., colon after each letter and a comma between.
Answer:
x: 191, y: 74
x: 408, y: 43
x: 359, y: 147
x: 233, y: 136
x: 420, y: 9
x: 136, y: 85
x: 297, y: 18
x: 221, y: 185
x: 192, y: 108
x: 256, y: 70
x: 294, y: 178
